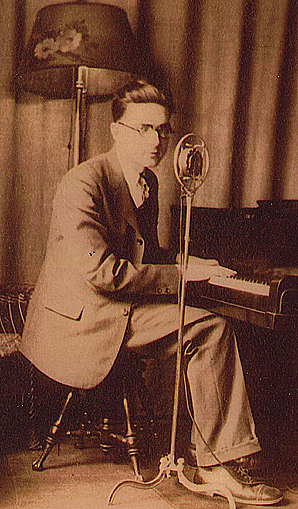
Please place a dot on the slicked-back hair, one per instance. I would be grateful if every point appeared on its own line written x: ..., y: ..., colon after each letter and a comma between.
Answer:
x: 139, y: 91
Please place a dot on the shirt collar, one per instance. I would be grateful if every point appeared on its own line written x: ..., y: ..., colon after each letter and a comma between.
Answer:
x: 131, y: 178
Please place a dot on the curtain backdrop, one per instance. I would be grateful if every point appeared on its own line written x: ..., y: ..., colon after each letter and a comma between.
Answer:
x: 232, y: 68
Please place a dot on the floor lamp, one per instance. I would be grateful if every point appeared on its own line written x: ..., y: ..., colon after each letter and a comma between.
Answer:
x: 79, y: 49
x: 76, y: 50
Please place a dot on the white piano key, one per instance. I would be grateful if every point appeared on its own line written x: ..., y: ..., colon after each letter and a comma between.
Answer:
x: 254, y: 287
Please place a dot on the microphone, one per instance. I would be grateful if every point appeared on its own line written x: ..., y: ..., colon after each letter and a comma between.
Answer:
x: 191, y: 162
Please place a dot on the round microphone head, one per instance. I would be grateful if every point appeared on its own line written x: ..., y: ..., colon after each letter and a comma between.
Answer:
x: 191, y: 162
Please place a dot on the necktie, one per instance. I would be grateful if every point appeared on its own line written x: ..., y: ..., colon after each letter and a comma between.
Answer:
x: 144, y: 186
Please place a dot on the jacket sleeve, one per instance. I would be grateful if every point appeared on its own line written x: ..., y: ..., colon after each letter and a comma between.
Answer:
x: 79, y: 213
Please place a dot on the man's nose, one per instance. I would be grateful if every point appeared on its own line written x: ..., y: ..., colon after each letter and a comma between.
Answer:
x: 154, y: 137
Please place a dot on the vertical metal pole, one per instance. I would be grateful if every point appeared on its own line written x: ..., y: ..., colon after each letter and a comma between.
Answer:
x: 183, y: 269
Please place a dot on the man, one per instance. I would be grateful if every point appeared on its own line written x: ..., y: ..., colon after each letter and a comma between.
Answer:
x: 102, y: 284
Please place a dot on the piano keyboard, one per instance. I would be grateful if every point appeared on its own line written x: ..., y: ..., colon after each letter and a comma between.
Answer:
x: 243, y: 285
x: 272, y: 304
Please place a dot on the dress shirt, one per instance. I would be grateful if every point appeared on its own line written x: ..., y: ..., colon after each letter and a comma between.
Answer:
x: 132, y: 179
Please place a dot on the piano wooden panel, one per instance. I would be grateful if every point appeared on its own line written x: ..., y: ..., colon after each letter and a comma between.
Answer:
x: 254, y: 309
x: 261, y: 244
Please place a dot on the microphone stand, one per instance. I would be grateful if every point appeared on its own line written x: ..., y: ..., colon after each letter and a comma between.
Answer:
x: 167, y: 463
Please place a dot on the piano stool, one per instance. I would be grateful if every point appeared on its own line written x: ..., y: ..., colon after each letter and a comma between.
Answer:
x: 114, y: 402
x: 123, y: 391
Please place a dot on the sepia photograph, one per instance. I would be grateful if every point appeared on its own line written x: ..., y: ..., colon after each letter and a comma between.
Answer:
x: 149, y: 254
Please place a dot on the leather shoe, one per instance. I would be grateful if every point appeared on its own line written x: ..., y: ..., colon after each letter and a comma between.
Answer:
x: 243, y: 487
x: 253, y: 462
x: 257, y: 464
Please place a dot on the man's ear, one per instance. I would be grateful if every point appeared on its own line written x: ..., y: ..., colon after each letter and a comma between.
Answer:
x: 114, y: 128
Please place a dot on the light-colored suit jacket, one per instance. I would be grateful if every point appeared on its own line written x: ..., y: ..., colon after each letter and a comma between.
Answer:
x: 91, y: 275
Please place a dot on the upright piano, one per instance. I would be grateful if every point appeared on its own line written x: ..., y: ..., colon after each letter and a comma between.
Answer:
x: 261, y: 245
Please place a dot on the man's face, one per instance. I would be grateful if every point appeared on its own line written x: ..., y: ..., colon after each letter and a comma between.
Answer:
x: 147, y: 147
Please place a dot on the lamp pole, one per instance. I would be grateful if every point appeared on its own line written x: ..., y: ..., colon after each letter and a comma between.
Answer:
x: 77, y: 144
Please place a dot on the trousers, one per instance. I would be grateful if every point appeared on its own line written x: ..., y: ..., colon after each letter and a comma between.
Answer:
x: 223, y: 427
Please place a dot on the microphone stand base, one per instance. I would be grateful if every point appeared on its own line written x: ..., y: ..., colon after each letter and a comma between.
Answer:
x: 166, y: 467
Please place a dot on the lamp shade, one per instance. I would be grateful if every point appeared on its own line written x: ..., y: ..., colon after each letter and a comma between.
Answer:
x: 70, y: 35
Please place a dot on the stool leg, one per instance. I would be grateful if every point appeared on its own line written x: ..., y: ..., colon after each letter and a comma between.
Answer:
x: 82, y: 432
x: 51, y: 438
x: 131, y: 441
x: 34, y: 443
x: 106, y: 437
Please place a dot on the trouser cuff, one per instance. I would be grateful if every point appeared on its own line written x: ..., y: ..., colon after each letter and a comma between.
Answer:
x: 206, y: 459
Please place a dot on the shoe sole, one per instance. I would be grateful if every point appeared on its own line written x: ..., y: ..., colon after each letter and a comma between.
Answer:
x: 257, y: 502
x: 252, y: 502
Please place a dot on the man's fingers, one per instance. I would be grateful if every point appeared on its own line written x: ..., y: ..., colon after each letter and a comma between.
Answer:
x: 204, y: 272
x: 195, y: 261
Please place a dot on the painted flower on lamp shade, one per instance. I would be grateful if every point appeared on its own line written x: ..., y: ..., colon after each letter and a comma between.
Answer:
x: 68, y: 40
x: 45, y: 48
x: 65, y: 41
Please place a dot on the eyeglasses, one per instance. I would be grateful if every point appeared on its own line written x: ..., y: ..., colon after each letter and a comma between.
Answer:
x: 163, y: 130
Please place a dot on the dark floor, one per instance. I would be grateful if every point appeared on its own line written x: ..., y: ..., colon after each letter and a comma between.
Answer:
x: 84, y: 479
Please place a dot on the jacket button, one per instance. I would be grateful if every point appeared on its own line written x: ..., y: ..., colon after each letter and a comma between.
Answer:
x: 159, y: 290
x: 126, y: 312
x: 140, y: 242
x: 168, y: 290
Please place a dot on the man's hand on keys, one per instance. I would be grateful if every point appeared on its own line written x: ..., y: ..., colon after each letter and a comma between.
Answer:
x: 200, y: 269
